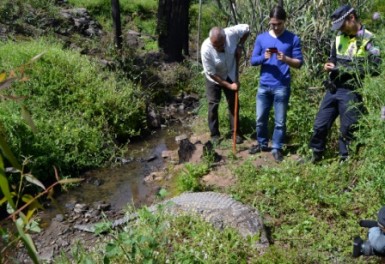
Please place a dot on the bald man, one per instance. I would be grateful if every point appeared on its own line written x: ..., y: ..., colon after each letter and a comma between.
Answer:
x: 219, y: 60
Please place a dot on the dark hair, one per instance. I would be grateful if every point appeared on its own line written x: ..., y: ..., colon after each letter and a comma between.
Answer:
x: 278, y: 12
x: 355, y: 14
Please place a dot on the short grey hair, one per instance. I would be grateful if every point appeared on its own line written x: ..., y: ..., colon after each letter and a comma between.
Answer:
x: 217, y: 32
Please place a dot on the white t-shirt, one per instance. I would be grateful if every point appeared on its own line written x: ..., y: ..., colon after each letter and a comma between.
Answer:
x: 222, y: 63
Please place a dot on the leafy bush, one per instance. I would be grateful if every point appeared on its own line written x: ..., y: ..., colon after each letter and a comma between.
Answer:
x: 211, y: 16
x: 98, y: 7
x: 80, y: 111
x: 189, y: 178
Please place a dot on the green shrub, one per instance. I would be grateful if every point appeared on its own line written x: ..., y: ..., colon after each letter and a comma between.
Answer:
x: 189, y: 178
x: 98, y: 7
x: 80, y: 111
x: 211, y: 16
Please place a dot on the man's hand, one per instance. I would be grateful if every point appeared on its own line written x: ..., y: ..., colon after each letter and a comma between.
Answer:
x: 268, y: 54
x: 234, y: 86
x: 329, y: 66
x: 281, y: 56
x: 231, y: 86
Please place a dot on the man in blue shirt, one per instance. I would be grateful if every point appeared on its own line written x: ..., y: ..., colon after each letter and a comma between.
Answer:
x: 276, y: 51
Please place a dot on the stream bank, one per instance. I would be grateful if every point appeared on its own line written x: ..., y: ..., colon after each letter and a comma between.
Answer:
x: 104, y: 194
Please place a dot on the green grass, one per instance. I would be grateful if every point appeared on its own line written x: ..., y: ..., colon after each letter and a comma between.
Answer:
x: 312, y: 211
x: 80, y: 111
x: 162, y: 238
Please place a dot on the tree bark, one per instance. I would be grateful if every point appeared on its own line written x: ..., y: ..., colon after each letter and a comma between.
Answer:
x: 172, y: 28
x: 117, y: 24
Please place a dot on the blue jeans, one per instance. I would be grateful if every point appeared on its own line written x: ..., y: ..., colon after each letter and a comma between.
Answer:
x: 266, y: 98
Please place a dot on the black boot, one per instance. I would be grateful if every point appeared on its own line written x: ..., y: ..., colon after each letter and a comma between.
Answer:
x: 357, y: 247
x: 317, y: 156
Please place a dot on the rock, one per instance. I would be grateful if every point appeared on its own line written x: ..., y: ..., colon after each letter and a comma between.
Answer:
x: 179, y: 138
x: 81, y: 22
x: 101, y: 206
x: 149, y: 178
x: 80, y: 208
x: 59, y: 218
x: 123, y: 160
x: 185, y: 151
x: 70, y: 206
x: 92, y: 213
x: 167, y: 153
x: 47, y: 255
x: 153, y: 117
x: 133, y: 39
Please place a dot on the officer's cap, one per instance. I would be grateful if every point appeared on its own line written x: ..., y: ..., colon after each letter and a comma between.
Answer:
x: 338, y: 17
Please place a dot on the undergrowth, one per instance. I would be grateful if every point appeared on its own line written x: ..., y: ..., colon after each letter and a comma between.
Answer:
x: 79, y: 118
x: 311, y: 211
x: 163, y: 238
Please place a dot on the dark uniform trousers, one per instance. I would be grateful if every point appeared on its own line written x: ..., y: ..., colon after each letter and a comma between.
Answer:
x: 214, y: 94
x: 348, y: 105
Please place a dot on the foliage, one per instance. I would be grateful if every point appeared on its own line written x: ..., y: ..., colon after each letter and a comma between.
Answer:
x: 80, y: 112
x: 189, y: 177
x: 163, y: 238
x: 14, y: 195
x: 126, y: 6
x: 139, y: 15
x: 311, y: 210
x: 23, y: 14
x: 211, y: 15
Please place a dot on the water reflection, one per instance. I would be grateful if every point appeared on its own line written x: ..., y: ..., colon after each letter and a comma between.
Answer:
x: 122, y: 184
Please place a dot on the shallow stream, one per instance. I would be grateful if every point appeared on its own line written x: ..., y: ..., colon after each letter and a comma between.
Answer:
x: 123, y: 182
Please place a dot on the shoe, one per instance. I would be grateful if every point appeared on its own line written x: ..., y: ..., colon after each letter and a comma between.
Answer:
x: 257, y: 148
x: 238, y: 140
x: 343, y: 159
x: 277, y: 154
x: 316, y: 157
x: 357, y: 247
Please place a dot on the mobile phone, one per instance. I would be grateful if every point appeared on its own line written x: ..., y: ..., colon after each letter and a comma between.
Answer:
x: 273, y: 50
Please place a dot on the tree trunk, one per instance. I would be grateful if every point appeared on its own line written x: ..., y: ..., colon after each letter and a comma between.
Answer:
x: 116, y: 21
x: 172, y: 28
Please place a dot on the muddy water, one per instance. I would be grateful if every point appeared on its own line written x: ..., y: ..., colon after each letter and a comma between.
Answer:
x: 122, y: 183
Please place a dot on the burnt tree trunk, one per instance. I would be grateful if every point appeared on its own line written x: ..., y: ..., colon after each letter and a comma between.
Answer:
x: 116, y: 22
x: 172, y: 28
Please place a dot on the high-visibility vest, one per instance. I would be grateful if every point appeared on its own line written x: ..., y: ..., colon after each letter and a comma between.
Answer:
x: 348, y: 48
